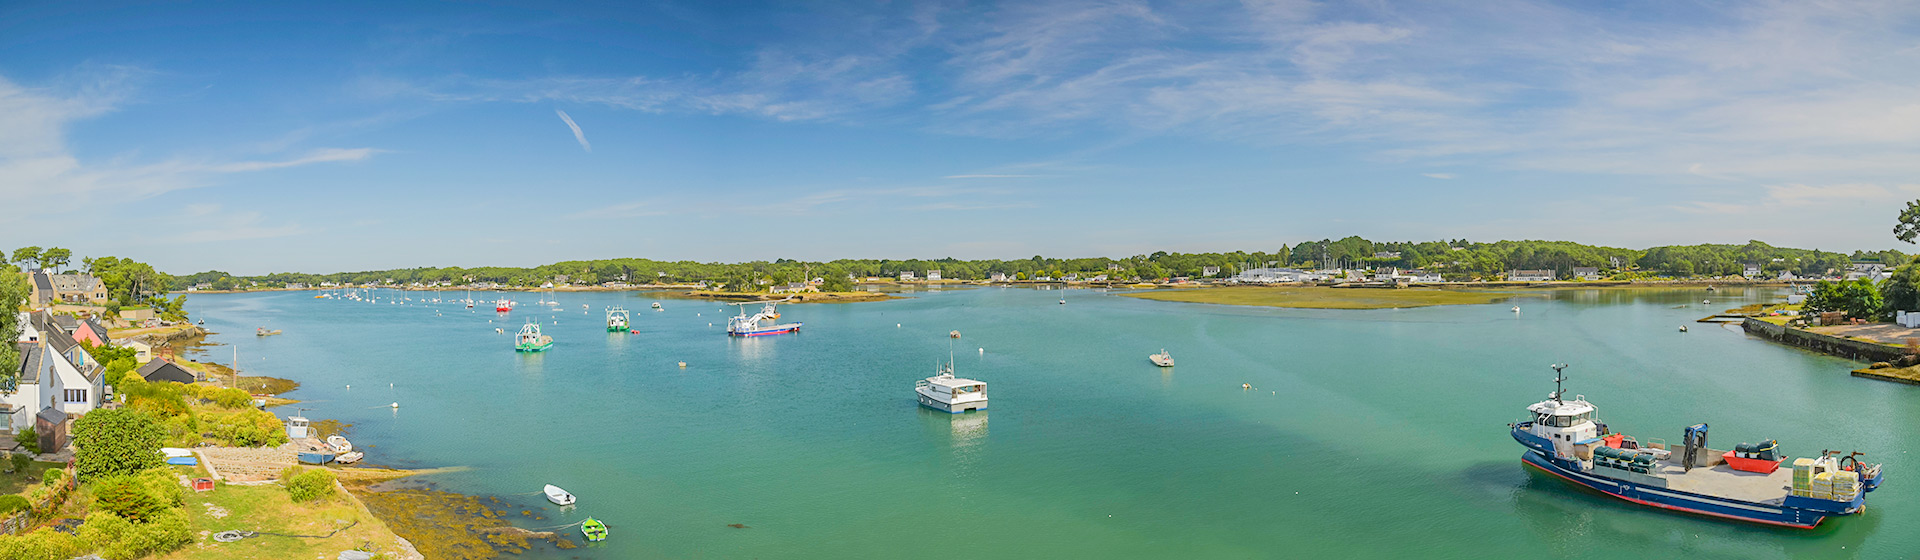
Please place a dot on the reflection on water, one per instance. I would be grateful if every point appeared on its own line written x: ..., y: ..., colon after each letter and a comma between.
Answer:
x: 969, y: 428
x: 754, y: 350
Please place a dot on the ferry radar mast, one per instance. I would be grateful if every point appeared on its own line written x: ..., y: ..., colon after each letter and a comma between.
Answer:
x: 1558, y: 377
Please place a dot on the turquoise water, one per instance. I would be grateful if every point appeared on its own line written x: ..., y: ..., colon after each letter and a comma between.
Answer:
x: 1368, y: 434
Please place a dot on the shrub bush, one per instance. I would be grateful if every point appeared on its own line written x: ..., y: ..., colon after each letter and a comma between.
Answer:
x: 44, y: 544
x: 141, y: 499
x: 21, y: 462
x: 28, y: 439
x: 119, y: 539
x: 310, y: 485
x: 115, y: 441
x: 13, y: 502
x: 247, y: 428
x: 228, y: 397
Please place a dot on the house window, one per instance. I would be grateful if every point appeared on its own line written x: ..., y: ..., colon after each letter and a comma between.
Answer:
x: 76, y: 395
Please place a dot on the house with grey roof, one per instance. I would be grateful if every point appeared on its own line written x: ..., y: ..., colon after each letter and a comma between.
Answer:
x: 55, y: 371
x: 78, y: 288
x: 43, y: 294
x: 162, y: 370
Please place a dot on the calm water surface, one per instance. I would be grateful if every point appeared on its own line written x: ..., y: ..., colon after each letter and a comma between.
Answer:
x: 1369, y: 434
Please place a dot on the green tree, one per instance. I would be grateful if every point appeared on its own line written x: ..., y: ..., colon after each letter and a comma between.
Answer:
x: 1856, y: 298
x: 55, y: 258
x: 1901, y: 290
x: 13, y: 295
x: 1908, y: 227
x: 25, y: 255
x: 116, y: 441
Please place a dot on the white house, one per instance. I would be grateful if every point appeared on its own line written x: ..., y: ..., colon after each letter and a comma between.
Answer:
x: 1751, y: 271
x: 933, y: 276
x: 1426, y: 277
x: 906, y: 276
x: 1209, y: 270
x: 142, y: 352
x: 1530, y: 276
x: 55, y: 372
x: 1587, y: 273
x: 997, y: 277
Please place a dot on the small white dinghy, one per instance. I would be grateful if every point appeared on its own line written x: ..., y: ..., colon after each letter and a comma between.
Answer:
x: 558, y: 496
x: 339, y: 444
x: 349, y: 457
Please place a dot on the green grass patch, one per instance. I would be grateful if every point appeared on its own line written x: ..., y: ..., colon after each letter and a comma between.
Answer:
x: 1316, y: 297
x: 17, y: 482
x: 269, y: 509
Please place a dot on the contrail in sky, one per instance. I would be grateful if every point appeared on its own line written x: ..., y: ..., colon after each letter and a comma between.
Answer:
x: 577, y: 135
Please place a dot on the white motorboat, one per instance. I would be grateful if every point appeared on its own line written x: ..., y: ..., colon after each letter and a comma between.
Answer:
x: 656, y: 305
x: 1163, y: 359
x: 558, y: 496
x: 349, y: 457
x: 339, y: 444
x: 946, y: 393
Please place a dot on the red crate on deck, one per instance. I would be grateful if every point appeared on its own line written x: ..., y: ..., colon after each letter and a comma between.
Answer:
x: 1750, y: 465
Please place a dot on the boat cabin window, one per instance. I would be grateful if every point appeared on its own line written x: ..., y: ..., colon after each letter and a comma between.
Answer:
x: 1564, y: 421
x: 967, y: 389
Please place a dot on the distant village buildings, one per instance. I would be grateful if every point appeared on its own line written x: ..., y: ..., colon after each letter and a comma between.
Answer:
x: 1530, y: 275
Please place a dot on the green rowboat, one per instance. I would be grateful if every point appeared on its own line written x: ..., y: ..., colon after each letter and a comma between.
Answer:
x: 594, y: 530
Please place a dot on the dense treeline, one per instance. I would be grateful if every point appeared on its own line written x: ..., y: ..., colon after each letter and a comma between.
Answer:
x: 1456, y: 259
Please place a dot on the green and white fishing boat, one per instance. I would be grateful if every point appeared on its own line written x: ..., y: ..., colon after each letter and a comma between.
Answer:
x: 530, y: 339
x: 617, y: 319
x: 594, y: 530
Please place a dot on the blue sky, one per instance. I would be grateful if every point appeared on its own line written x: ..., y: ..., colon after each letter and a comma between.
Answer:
x: 250, y: 137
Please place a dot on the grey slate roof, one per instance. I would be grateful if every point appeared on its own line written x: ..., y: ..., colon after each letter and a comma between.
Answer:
x: 67, y: 323
x: 98, y: 331
x: 162, y: 370
x: 60, y: 342
x: 44, y: 282
x: 32, y: 362
x: 52, y: 415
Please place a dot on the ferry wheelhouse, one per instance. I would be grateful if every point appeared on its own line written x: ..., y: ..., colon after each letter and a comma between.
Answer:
x: 1565, y: 438
x: 530, y: 340
x: 617, y: 319
x: 503, y: 305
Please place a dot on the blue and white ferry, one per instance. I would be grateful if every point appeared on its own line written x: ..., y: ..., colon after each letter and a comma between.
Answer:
x: 1566, y: 439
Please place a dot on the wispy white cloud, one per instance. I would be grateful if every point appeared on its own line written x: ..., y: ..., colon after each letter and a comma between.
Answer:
x: 1438, y: 175
x: 577, y: 134
x: 38, y: 167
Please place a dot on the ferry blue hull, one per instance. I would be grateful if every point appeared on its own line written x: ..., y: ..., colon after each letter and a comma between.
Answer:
x: 1796, y: 512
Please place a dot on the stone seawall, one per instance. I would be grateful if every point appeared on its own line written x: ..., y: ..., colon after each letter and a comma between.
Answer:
x: 1825, y: 344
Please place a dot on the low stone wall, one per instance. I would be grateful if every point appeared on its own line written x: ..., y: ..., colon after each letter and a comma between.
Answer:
x: 1825, y: 344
